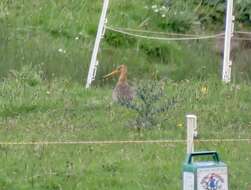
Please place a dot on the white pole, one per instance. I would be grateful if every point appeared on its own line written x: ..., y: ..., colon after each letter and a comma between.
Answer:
x: 191, y: 123
x: 227, y: 63
x: 100, y: 34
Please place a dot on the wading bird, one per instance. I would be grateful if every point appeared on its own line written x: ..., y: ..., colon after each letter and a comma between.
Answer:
x: 122, y: 91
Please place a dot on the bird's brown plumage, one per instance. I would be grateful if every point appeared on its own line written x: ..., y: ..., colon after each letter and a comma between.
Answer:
x: 122, y: 91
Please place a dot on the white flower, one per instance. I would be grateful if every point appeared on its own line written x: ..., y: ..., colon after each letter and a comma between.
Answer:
x: 154, y: 6
x: 77, y: 38
x: 163, y: 8
x: 163, y: 15
x: 60, y: 50
x: 156, y: 10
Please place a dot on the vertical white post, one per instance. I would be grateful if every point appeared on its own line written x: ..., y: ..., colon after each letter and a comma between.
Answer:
x: 227, y: 63
x: 191, y: 123
x: 100, y: 34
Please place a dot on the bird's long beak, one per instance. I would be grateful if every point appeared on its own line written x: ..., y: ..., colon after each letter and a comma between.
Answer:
x: 111, y: 74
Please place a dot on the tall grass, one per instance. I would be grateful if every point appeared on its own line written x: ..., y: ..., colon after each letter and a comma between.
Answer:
x: 60, y: 36
x: 26, y: 95
x: 35, y: 109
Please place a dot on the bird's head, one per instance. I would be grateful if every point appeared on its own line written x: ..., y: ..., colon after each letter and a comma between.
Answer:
x: 121, y: 70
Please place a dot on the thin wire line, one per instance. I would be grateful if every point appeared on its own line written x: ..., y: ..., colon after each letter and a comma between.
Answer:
x: 166, y: 39
x: 236, y: 38
x: 241, y: 39
x: 120, y: 142
x: 93, y: 142
x: 120, y: 29
x: 222, y: 140
x: 28, y: 27
x: 243, y: 32
x: 153, y: 32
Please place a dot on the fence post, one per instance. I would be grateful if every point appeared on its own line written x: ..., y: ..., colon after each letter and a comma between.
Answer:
x: 227, y: 63
x: 100, y: 34
x: 191, y: 123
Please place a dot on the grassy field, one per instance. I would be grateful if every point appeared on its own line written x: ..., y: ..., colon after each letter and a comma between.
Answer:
x: 45, y: 50
x: 60, y: 35
x: 33, y: 109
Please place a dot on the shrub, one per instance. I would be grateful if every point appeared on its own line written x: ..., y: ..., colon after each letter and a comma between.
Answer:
x: 150, y: 101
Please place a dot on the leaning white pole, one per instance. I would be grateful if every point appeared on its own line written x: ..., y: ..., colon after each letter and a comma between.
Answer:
x: 100, y: 34
x: 191, y: 123
x: 227, y: 63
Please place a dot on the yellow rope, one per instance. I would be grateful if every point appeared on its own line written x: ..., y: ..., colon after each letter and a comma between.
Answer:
x: 213, y: 36
x: 119, y: 142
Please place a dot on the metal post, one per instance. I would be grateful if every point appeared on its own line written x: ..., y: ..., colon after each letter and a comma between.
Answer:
x: 227, y: 63
x: 100, y: 34
x: 191, y: 122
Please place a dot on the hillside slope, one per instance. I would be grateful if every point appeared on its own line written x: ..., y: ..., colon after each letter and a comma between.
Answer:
x: 60, y: 35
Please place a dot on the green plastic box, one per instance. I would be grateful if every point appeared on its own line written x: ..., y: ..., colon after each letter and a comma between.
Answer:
x: 205, y: 175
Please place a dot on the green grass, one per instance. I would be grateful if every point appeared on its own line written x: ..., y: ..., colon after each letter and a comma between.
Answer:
x: 33, y: 109
x: 50, y: 44
x: 110, y: 166
x: 60, y: 36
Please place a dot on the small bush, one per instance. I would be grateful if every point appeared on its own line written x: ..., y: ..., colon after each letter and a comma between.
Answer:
x: 150, y: 101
